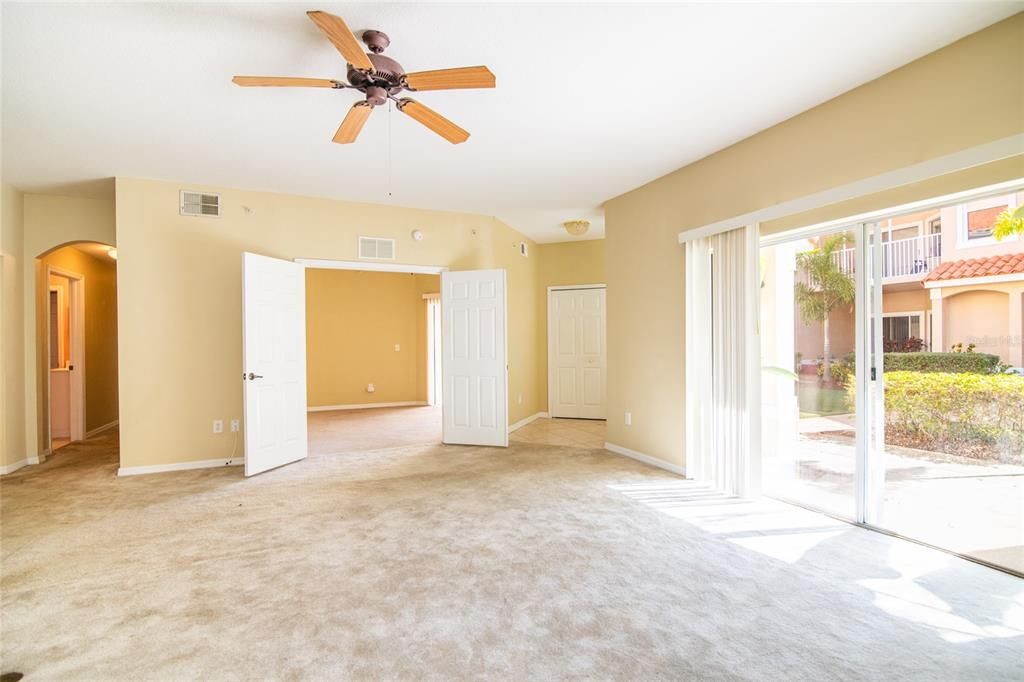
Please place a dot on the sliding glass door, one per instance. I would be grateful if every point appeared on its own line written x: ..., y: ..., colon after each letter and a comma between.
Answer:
x: 893, y: 375
x: 808, y: 349
x: 948, y: 450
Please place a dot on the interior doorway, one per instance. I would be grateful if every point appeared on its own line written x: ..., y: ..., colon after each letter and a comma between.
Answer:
x: 65, y: 336
x: 290, y: 369
x: 76, y: 348
x: 372, y: 359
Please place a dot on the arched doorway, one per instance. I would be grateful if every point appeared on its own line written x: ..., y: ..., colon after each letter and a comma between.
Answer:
x: 76, y: 343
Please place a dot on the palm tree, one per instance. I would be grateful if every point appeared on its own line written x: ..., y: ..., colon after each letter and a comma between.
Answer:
x: 1009, y: 222
x: 827, y: 287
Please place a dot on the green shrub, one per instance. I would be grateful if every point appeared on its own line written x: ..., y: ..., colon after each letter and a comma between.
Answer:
x: 978, y: 363
x: 976, y: 415
x: 842, y: 369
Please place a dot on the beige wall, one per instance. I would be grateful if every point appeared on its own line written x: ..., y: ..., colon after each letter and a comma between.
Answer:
x: 978, y: 317
x: 12, y: 328
x: 810, y: 337
x: 564, y: 263
x: 354, y: 319
x: 100, y: 275
x: 179, y: 282
x: 863, y: 133
x: 989, y: 315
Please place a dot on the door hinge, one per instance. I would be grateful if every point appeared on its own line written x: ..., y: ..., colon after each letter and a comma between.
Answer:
x: 873, y: 375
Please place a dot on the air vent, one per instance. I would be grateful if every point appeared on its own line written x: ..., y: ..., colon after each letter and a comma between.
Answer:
x: 200, y: 204
x: 376, y: 248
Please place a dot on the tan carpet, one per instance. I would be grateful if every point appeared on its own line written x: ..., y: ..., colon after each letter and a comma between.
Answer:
x: 432, y: 562
x: 338, y: 431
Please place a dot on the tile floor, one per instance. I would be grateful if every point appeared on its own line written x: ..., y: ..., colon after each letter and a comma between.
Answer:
x: 580, y: 433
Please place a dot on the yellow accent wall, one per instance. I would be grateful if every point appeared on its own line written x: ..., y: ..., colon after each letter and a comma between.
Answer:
x: 353, y: 321
x: 179, y: 301
x: 561, y: 264
x: 101, y: 380
x: 12, y: 328
x: 860, y: 134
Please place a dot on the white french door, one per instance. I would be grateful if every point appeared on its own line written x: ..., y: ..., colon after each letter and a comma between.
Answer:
x: 577, y: 357
x: 273, y: 361
x: 474, y: 369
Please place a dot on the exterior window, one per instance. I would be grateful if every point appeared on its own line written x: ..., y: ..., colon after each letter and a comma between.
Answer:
x: 980, y: 222
x: 977, y: 218
x: 901, y: 332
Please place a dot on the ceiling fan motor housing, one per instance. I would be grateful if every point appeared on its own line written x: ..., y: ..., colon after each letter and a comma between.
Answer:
x: 385, y: 79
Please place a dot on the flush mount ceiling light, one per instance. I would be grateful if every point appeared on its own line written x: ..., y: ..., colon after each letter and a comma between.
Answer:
x: 576, y: 227
x: 112, y: 252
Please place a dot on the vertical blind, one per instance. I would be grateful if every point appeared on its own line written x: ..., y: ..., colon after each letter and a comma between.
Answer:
x: 722, y: 361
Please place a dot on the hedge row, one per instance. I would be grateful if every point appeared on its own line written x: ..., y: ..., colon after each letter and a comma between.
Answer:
x: 956, y: 413
x: 977, y: 363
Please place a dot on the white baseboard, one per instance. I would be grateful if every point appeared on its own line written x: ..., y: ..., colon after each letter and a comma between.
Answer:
x: 646, y: 459
x: 366, y: 406
x: 11, y: 468
x: 523, y: 422
x: 100, y: 429
x: 180, y: 466
x: 40, y: 458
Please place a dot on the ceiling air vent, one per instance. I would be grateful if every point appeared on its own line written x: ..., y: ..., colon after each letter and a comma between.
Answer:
x: 200, y: 204
x: 376, y: 248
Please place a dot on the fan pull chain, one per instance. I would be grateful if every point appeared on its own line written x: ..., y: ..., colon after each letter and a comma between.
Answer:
x: 389, y: 151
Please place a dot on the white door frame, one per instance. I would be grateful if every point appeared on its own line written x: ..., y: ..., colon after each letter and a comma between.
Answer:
x: 76, y: 327
x: 434, y: 354
x: 370, y: 266
x: 563, y: 287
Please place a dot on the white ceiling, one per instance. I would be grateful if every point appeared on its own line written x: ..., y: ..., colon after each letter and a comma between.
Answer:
x: 592, y: 99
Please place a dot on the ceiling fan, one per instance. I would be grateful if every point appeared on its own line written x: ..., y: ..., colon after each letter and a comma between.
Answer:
x: 381, y: 79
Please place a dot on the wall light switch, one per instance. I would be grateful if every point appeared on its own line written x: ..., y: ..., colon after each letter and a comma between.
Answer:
x: 519, y: 398
x: 629, y: 419
x: 218, y: 426
x: 234, y: 426
x: 398, y: 347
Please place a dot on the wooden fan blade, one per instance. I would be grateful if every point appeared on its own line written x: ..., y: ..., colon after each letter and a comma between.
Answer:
x: 451, y: 79
x: 283, y: 81
x: 349, y: 129
x: 433, y: 120
x: 337, y: 31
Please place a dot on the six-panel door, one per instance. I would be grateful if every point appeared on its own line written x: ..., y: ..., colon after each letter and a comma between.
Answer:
x: 474, y: 368
x: 577, y: 354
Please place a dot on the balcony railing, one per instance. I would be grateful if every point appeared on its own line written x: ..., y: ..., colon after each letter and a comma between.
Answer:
x: 915, y: 256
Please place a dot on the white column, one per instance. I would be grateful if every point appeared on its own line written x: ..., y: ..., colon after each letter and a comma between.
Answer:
x: 1015, y: 328
x: 938, y: 321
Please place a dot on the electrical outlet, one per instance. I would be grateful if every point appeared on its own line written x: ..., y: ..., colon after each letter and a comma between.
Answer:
x: 398, y: 347
x: 218, y: 426
x: 370, y: 388
x: 519, y: 398
x: 629, y: 419
x: 234, y: 426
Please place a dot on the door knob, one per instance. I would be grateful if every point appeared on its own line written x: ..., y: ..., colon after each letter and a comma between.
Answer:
x: 254, y: 376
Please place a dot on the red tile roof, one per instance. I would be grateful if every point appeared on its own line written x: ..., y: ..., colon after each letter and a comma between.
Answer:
x: 977, y: 267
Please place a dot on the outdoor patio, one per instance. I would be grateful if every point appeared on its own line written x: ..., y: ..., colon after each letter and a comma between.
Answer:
x: 972, y: 507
